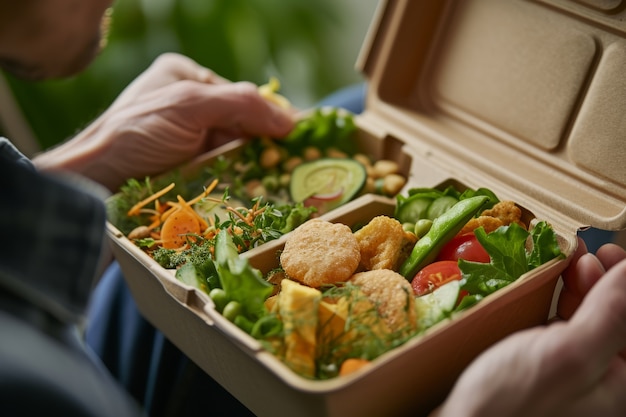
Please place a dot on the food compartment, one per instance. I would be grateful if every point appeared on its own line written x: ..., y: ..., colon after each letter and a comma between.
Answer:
x: 428, y: 363
x: 322, y: 174
x: 203, y: 172
x: 419, y: 373
x: 332, y: 161
x: 439, y: 106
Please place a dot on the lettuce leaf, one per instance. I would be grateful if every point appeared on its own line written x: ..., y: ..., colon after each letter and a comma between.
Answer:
x: 512, y: 254
x: 241, y: 282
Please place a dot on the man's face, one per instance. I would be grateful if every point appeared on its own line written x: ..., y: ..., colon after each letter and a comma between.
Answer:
x: 51, y: 38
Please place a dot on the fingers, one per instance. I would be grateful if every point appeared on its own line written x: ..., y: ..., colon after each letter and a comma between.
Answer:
x: 199, y: 99
x: 610, y: 254
x: 599, y: 324
x: 167, y: 69
x: 570, y: 296
x: 569, y: 275
x: 234, y: 107
x: 580, y: 276
x: 583, y: 274
x: 174, y: 67
x: 588, y: 269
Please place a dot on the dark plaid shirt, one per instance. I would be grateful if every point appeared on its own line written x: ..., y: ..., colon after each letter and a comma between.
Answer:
x: 51, y: 235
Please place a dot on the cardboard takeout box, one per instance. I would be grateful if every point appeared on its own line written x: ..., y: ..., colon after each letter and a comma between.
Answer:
x: 523, y: 97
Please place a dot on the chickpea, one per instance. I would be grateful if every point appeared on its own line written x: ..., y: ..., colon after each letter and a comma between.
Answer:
x: 240, y: 167
x: 385, y: 167
x: 270, y: 157
x: 284, y: 179
x: 335, y: 153
x: 393, y: 183
x: 370, y: 185
x: 363, y: 159
x: 291, y: 163
x: 139, y: 232
x: 255, y: 188
x: 311, y: 153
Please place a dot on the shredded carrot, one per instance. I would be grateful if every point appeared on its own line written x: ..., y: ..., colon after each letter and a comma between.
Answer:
x: 203, y: 194
x: 191, y: 202
x: 176, y: 218
x: 156, y: 222
x: 135, y: 209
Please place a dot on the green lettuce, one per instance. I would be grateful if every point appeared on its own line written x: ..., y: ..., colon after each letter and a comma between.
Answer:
x: 513, y: 252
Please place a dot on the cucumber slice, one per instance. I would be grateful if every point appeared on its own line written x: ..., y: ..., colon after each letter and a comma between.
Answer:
x: 440, y: 206
x: 190, y: 275
x: 438, y: 305
x: 413, y: 209
x: 328, y: 182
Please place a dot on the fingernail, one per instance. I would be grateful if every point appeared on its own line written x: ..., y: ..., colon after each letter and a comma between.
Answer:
x: 589, y: 257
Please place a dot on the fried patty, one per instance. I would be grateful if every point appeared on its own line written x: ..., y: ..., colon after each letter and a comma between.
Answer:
x: 319, y: 252
x: 393, y: 296
x: 384, y: 244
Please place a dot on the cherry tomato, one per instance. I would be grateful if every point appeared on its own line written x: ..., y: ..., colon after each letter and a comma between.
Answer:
x: 464, y: 247
x: 434, y: 275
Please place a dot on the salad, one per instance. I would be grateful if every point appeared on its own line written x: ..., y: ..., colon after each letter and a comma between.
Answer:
x: 340, y: 295
x: 400, y: 279
x: 267, y: 189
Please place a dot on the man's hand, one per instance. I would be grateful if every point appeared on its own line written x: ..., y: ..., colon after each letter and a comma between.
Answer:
x: 566, y: 368
x: 171, y: 113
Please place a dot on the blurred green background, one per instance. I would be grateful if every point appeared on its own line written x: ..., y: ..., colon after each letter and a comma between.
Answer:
x: 311, y: 46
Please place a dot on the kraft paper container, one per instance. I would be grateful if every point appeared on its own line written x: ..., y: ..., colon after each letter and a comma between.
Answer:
x: 524, y: 98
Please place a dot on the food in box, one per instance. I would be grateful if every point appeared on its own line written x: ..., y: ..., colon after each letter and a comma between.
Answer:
x: 324, y: 324
x: 515, y: 96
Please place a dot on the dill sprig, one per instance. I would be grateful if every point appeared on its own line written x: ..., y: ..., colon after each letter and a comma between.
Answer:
x: 364, y: 335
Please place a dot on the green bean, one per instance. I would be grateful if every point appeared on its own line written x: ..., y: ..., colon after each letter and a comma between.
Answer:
x: 444, y: 228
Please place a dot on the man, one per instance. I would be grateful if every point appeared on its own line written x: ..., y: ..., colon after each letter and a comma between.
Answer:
x: 51, y: 211
x: 52, y: 220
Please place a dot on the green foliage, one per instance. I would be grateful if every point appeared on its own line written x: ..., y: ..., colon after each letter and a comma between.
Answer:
x: 510, y: 256
x: 239, y: 39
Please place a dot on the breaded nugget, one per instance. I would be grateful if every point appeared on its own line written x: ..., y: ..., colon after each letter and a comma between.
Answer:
x: 383, y: 243
x: 393, y: 296
x: 507, y: 211
x: 502, y: 214
x: 319, y: 252
x: 487, y: 222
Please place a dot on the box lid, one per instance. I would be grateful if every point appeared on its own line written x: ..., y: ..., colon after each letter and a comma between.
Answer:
x: 530, y: 95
